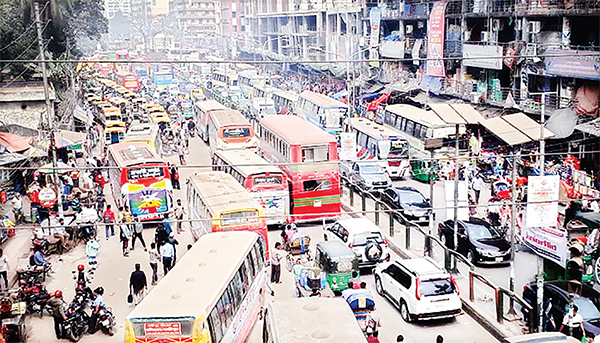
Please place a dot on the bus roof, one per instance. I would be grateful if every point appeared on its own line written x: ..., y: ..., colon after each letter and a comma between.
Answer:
x: 195, y: 284
x: 322, y: 99
x: 210, y: 105
x: 228, y: 117
x: 297, y: 131
x: 247, y: 162
x: 133, y: 153
x: 141, y: 130
x: 315, y: 319
x: 428, y: 118
x: 373, y: 129
x: 222, y: 193
x: 286, y: 94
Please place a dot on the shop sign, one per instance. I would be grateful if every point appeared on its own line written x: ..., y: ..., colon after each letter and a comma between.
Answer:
x: 435, y: 45
x: 374, y: 21
x: 392, y: 49
x: 573, y: 63
x: 542, y: 201
x: 550, y: 243
x: 348, y: 146
x: 47, y: 197
x: 473, y: 56
x: 162, y: 329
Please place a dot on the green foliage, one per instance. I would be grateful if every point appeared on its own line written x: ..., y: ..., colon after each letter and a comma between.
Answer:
x: 17, y: 41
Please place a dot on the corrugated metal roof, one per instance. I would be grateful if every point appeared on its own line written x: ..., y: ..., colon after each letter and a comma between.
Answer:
x: 505, y: 131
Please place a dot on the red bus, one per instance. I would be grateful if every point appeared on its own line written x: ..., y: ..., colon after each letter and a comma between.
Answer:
x: 140, y: 179
x: 217, y: 202
x: 308, y: 155
x: 266, y: 183
x: 129, y: 81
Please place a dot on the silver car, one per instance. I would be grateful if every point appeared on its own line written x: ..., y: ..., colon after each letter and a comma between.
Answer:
x: 368, y: 176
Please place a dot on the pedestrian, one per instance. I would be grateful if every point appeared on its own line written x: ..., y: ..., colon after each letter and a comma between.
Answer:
x: 181, y: 152
x: 167, y: 223
x: 98, y: 304
x: 175, y: 177
x: 276, y: 257
x: 373, y: 337
x: 100, y: 204
x: 109, y: 221
x: 58, y: 307
x: 124, y: 236
x: 399, y: 338
x: 34, y: 201
x: 17, y: 209
x: 91, y: 249
x: 137, y: 284
x: 167, y: 253
x: 477, y: 186
x: 439, y: 339
x: 153, y: 258
x: 4, y: 268
x: 160, y: 235
x: 179, y: 212
x: 572, y: 324
x: 138, y: 229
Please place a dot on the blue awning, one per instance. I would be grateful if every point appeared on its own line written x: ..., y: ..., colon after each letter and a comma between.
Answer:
x: 340, y: 94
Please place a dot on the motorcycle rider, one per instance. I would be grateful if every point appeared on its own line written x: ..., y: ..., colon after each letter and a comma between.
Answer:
x: 191, y: 126
x: 98, y: 304
x: 58, y: 307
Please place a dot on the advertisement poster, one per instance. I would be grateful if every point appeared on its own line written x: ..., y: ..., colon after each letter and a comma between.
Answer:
x: 542, y: 201
x: 550, y: 243
x: 149, y: 201
x: 162, y: 329
x: 435, y: 46
x: 374, y: 20
x: 348, y: 146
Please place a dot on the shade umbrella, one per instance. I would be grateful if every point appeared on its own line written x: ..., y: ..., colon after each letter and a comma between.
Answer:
x: 61, y: 168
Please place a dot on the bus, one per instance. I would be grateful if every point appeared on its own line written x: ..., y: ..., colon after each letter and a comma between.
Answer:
x: 262, y: 91
x: 419, y: 127
x: 247, y: 80
x: 285, y: 101
x: 140, y: 179
x: 309, y: 157
x: 266, y: 183
x: 163, y: 76
x: 379, y: 143
x: 321, y: 110
x: 229, y: 129
x: 217, y: 202
x: 298, y: 320
x: 203, y: 111
x: 129, y: 81
x: 145, y: 132
x: 221, y: 77
x: 214, y: 293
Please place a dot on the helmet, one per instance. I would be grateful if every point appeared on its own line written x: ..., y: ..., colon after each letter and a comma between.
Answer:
x: 22, y: 283
x: 80, y: 267
x: 99, y: 290
x: 288, y: 219
x: 58, y: 294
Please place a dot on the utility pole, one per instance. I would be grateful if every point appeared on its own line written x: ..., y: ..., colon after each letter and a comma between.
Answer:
x: 513, y: 221
x: 49, y: 110
x: 456, y: 155
x: 540, y: 260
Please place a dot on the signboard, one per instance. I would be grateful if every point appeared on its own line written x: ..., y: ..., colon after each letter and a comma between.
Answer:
x: 463, y: 200
x: 162, y: 329
x: 348, y: 146
x: 375, y: 20
x: 47, y: 197
x: 542, y: 201
x: 148, y: 201
x: 473, y: 53
x: 573, y: 63
x: 435, y: 46
x: 550, y: 243
x: 392, y: 49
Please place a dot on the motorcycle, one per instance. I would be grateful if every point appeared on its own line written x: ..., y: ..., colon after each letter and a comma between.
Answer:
x: 36, y: 297
x: 106, y: 321
x: 77, y: 320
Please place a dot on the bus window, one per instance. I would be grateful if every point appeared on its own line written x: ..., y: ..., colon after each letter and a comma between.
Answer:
x: 315, y: 154
x: 316, y: 185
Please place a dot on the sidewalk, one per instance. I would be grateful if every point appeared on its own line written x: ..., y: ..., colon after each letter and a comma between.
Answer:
x: 482, y: 309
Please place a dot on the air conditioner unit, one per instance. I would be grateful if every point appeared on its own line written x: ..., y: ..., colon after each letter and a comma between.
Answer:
x: 496, y: 25
x: 420, y: 24
x: 534, y: 27
x: 485, y: 36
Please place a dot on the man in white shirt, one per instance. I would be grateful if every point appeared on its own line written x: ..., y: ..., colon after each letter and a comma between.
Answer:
x: 4, y: 269
x: 276, y: 255
x: 167, y: 253
x: 179, y: 212
x: 573, y: 324
x: 17, y: 203
x: 477, y: 185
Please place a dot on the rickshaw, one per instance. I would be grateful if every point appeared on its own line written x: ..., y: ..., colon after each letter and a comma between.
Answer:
x: 310, y: 281
x: 338, y: 261
x: 296, y: 244
x: 362, y: 304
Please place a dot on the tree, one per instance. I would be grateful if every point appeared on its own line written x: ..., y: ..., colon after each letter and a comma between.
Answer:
x: 17, y: 41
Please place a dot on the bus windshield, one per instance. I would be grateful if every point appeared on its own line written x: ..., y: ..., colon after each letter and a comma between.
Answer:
x: 144, y: 172
x: 236, y: 132
x: 175, y: 327
x: 267, y: 180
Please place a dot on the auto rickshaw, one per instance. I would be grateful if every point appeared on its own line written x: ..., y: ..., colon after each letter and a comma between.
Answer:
x: 338, y: 261
x: 423, y: 170
x: 114, y: 134
x: 160, y: 117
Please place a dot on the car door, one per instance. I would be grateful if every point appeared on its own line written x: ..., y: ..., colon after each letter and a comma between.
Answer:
x: 390, y: 197
x: 403, y: 284
x: 332, y: 233
x: 355, y: 175
x: 463, y: 239
x: 388, y: 280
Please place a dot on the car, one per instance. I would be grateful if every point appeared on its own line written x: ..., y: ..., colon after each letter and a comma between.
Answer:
x: 546, y: 337
x: 363, y: 236
x: 420, y: 288
x: 368, y: 176
x: 409, y: 202
x: 588, y: 302
x: 478, y: 241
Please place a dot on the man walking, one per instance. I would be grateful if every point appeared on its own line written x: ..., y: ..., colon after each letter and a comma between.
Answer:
x: 153, y: 258
x: 276, y: 257
x: 477, y: 186
x: 179, y: 212
x: 138, y: 229
x: 17, y: 203
x: 167, y: 253
x: 4, y: 268
x: 137, y: 284
x: 58, y: 307
x: 109, y: 221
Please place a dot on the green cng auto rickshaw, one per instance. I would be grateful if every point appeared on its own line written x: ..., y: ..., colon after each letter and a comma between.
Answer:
x: 338, y: 261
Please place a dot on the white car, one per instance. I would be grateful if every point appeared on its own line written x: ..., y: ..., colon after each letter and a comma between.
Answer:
x: 368, y: 176
x: 420, y: 288
x: 363, y: 236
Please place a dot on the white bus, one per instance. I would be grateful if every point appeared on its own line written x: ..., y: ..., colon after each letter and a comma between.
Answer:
x: 203, y: 111
x: 264, y: 181
x: 311, y: 319
x: 222, y: 77
x: 323, y: 111
x: 247, y: 80
x: 229, y: 129
x: 285, y: 101
x: 213, y: 294
x: 379, y: 143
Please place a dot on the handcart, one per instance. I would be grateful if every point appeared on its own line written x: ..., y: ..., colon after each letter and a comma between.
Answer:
x: 310, y: 281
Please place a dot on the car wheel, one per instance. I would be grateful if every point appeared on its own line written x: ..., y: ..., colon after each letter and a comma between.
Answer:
x: 378, y: 285
x: 373, y: 252
x: 404, y: 311
x: 471, y: 256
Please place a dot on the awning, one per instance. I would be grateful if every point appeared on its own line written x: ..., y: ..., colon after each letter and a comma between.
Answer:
x: 9, y: 158
x: 527, y: 125
x: 468, y: 113
x: 66, y: 138
x: 14, y: 143
x: 503, y: 130
x: 447, y: 113
x: 81, y: 115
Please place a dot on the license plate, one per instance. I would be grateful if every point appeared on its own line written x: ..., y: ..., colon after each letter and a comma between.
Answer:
x: 422, y: 219
x: 499, y: 259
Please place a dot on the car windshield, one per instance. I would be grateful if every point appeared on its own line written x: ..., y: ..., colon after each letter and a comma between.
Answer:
x: 371, y: 169
x: 437, y: 287
x: 587, y: 309
x: 362, y: 238
x: 482, y: 231
x: 412, y: 197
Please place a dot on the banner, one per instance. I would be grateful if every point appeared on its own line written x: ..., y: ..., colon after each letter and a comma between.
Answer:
x: 548, y: 243
x: 473, y: 53
x: 542, y: 201
x: 348, y: 146
x: 374, y: 20
x: 435, y: 46
x: 149, y: 201
x: 463, y: 200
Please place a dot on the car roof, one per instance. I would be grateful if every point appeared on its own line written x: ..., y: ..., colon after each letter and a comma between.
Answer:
x: 336, y: 249
x: 358, y: 225
x: 422, y: 266
x: 407, y: 188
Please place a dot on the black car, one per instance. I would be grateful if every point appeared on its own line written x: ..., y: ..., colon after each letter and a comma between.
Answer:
x: 557, y: 291
x: 409, y: 201
x: 478, y: 241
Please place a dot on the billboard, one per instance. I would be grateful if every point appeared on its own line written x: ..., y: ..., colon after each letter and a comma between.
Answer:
x: 435, y: 46
x: 473, y: 53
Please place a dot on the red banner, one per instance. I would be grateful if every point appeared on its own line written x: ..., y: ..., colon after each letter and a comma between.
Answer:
x: 435, y: 46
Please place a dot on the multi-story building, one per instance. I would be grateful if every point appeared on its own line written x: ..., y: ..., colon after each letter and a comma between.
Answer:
x: 111, y: 7
x: 195, y: 18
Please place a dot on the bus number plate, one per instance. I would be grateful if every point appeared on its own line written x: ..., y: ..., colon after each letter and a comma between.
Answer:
x: 317, y: 203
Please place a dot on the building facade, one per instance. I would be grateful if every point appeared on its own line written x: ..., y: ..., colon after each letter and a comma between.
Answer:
x: 195, y: 18
x: 111, y: 7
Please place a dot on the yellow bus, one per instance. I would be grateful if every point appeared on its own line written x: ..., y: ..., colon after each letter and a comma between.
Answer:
x: 213, y: 294
x: 148, y: 133
x: 312, y: 319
